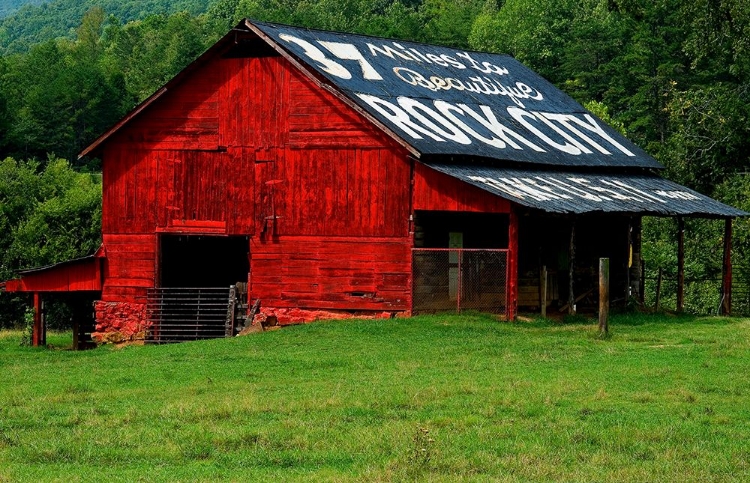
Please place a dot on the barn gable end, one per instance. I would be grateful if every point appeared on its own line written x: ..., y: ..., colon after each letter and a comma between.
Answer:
x: 248, y: 146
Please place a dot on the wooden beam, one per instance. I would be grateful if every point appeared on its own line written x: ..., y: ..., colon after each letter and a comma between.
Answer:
x: 603, y: 296
x: 543, y: 290
x: 512, y: 299
x: 680, y: 264
x: 635, y: 270
x: 572, y: 258
x: 726, y: 304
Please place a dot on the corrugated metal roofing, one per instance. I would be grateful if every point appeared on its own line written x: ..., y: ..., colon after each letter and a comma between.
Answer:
x: 589, y: 192
x: 448, y: 101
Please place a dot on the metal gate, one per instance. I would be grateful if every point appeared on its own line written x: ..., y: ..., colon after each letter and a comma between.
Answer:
x: 185, y: 314
x: 459, y: 279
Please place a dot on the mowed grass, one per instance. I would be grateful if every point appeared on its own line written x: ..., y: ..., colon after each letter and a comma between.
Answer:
x: 439, y: 398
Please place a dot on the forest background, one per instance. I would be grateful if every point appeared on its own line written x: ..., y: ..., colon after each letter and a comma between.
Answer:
x: 672, y: 75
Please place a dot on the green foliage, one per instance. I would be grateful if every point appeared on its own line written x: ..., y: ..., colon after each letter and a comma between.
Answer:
x: 148, y: 53
x: 711, y: 139
x: 423, y: 399
x: 47, y: 215
x: 60, y: 95
x: 61, y: 18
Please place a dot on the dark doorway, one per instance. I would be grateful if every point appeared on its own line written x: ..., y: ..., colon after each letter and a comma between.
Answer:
x: 441, y: 229
x: 203, y: 261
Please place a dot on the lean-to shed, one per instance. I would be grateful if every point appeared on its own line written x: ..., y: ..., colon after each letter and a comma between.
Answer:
x: 331, y: 172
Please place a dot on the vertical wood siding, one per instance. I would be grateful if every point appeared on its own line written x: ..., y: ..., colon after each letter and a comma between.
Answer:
x: 248, y: 146
x: 437, y: 191
x: 78, y: 275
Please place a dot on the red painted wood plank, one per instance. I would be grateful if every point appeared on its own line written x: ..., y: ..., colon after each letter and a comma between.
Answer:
x: 436, y: 191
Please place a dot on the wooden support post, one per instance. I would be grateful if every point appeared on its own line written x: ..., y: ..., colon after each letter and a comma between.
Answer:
x: 635, y: 271
x: 726, y: 304
x: 680, y: 264
x: 231, y: 307
x: 512, y: 295
x: 543, y: 290
x: 642, y: 289
x: 76, y: 333
x: 572, y: 259
x: 37, y: 335
x: 658, y: 289
x: 603, y: 296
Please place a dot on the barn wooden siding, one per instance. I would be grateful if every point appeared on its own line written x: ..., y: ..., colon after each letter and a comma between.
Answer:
x: 80, y: 275
x: 250, y: 146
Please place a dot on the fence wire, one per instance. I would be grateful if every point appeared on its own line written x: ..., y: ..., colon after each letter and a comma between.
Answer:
x: 703, y: 295
x: 456, y: 280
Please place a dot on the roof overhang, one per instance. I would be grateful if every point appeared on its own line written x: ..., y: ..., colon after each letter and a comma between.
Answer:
x: 577, y: 192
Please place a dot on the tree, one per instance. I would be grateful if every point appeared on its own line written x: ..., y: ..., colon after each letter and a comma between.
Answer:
x: 48, y: 213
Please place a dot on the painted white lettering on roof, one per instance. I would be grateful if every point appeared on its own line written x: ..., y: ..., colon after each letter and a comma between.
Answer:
x: 520, y: 115
x: 398, y: 117
x: 346, y: 51
x: 593, y: 126
x: 417, y: 110
x: 324, y: 63
x: 449, y: 111
x: 677, y: 195
x: 549, y: 188
x: 565, y: 120
x: 488, y: 120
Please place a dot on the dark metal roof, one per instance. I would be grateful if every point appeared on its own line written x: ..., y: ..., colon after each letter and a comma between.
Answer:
x: 589, y: 191
x: 444, y: 101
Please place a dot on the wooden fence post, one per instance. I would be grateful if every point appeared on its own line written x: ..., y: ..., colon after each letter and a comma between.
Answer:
x: 603, y: 296
x: 38, y: 334
x: 571, y: 262
x: 658, y: 288
x: 543, y: 290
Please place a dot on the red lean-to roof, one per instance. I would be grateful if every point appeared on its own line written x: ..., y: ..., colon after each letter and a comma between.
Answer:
x: 80, y: 274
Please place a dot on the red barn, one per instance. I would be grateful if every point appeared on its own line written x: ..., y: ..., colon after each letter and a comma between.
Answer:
x: 313, y: 166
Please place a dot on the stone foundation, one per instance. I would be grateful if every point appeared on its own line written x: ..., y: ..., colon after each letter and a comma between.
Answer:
x: 287, y: 316
x: 118, y: 322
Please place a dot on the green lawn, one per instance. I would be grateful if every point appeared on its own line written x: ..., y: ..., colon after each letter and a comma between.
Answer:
x: 438, y: 398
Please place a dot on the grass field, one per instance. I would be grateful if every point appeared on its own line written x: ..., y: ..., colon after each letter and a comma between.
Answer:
x: 430, y: 398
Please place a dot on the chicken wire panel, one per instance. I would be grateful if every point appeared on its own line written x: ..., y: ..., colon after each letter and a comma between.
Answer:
x: 456, y: 280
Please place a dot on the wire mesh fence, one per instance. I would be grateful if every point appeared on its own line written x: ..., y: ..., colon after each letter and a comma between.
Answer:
x: 702, y: 295
x: 459, y: 279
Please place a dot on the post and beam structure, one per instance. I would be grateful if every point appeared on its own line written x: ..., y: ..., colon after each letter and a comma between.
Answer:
x: 39, y: 333
x: 512, y: 282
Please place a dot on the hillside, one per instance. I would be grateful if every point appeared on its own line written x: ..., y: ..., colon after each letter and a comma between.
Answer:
x: 7, y: 7
x: 37, y: 21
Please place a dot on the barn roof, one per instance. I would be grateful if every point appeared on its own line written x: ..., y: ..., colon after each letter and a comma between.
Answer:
x: 445, y: 101
x: 579, y: 192
x: 442, y: 104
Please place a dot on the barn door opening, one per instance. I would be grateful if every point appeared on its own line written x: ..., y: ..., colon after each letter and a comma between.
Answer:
x: 203, y: 261
x: 202, y: 293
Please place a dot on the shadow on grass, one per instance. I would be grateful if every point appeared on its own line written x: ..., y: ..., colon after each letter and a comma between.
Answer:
x: 623, y: 318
